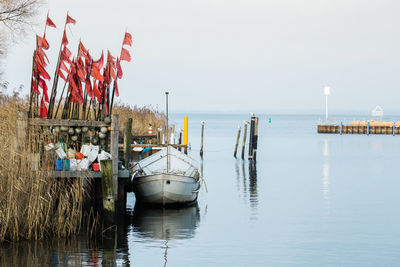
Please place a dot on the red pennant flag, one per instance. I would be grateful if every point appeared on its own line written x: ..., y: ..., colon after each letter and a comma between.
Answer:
x: 116, y: 88
x: 72, y: 83
x: 43, y: 55
x: 43, y: 85
x: 64, y: 68
x: 82, y: 51
x: 34, y: 87
x: 50, y: 23
x: 125, y: 55
x: 119, y: 69
x: 42, y: 42
x: 43, y: 72
x: 70, y: 20
x: 112, y: 73
x: 59, y: 72
x: 127, y: 39
x: 96, y: 92
x: 99, y: 63
x: 66, y: 52
x: 43, y: 109
x: 96, y: 74
x: 65, y: 39
x: 88, y: 85
x: 40, y: 60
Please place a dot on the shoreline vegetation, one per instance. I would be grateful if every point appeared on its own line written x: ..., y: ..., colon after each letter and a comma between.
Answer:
x: 33, y: 204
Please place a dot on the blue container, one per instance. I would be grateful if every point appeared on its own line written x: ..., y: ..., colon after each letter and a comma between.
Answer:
x: 66, y: 164
x: 59, y: 164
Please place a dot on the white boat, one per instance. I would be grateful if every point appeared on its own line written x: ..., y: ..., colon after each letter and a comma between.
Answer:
x: 166, y: 177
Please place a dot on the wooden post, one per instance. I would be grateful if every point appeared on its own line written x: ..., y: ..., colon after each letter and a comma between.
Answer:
x: 237, y: 141
x: 127, y: 142
x: 107, y: 185
x: 255, y: 139
x: 251, y: 137
x: 114, y: 152
x: 202, y: 138
x: 244, y: 138
x: 22, y: 125
x: 180, y: 139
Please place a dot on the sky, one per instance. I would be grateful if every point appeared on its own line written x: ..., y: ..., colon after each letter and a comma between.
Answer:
x: 238, y: 55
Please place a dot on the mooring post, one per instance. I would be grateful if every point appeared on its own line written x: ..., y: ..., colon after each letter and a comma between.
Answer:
x: 244, y: 138
x: 341, y: 127
x: 180, y: 138
x: 202, y: 138
x: 255, y: 139
x: 114, y: 152
x: 185, y: 132
x: 237, y: 141
x: 107, y: 185
x: 127, y: 142
x: 394, y: 128
x: 251, y: 136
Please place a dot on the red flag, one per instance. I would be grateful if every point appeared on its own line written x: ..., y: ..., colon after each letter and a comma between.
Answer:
x: 43, y: 72
x: 116, y: 88
x: 99, y: 63
x: 88, y: 85
x: 119, y: 69
x: 42, y: 42
x: 34, y: 87
x: 125, y: 55
x: 62, y: 75
x: 43, y: 85
x: 40, y: 60
x: 96, y: 74
x: 50, y: 23
x: 96, y: 91
x: 65, y: 39
x: 66, y: 52
x: 127, y: 39
x: 112, y: 73
x: 70, y: 20
x: 72, y: 83
x: 82, y: 51
x: 64, y: 68
x: 43, y: 109
x: 43, y: 55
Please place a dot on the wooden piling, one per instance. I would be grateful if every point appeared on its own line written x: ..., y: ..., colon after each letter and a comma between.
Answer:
x: 237, y: 141
x: 244, y: 138
x: 127, y: 142
x: 202, y: 138
x: 251, y: 137
x: 255, y: 139
x: 114, y: 151
x: 107, y: 185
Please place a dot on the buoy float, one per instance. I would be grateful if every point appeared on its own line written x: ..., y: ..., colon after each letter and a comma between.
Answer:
x: 150, y: 130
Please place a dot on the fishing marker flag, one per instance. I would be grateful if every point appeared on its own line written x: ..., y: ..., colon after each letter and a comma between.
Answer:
x: 70, y: 20
x: 125, y: 55
x: 127, y: 39
x: 50, y: 23
x: 65, y: 39
x: 43, y: 109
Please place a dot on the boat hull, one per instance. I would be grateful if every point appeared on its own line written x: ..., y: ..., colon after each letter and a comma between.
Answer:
x: 166, y: 189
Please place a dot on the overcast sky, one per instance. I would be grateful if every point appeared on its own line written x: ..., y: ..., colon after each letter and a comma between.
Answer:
x: 237, y: 55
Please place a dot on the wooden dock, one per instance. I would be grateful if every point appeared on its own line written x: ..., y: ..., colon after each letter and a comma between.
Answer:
x: 388, y: 128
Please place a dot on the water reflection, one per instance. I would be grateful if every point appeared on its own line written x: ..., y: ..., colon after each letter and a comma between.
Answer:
x: 166, y: 224
x: 325, y: 175
x: 250, y: 192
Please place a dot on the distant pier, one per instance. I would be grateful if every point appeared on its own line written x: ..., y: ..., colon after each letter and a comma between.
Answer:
x: 361, y: 127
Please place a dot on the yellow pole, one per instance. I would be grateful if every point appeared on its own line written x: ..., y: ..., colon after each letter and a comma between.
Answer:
x: 185, y: 132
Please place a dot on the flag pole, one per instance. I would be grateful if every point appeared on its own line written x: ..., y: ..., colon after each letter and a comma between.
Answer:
x: 55, y: 81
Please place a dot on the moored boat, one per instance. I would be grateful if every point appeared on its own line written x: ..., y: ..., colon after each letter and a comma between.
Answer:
x: 168, y: 177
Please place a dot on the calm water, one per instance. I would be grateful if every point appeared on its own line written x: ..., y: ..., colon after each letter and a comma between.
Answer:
x: 311, y: 200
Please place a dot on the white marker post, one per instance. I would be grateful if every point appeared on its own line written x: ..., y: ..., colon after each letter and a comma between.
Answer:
x: 327, y: 91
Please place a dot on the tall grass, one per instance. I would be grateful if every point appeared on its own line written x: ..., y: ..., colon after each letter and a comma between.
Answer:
x: 33, y: 204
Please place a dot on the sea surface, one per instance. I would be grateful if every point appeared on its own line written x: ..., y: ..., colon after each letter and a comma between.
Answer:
x: 309, y: 200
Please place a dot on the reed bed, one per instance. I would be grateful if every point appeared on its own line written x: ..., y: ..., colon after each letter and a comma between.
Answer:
x: 34, y: 205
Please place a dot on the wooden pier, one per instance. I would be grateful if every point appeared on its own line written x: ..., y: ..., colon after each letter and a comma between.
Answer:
x: 389, y: 128
x: 110, y: 185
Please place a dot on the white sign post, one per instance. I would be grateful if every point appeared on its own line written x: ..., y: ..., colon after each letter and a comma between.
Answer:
x: 327, y: 91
